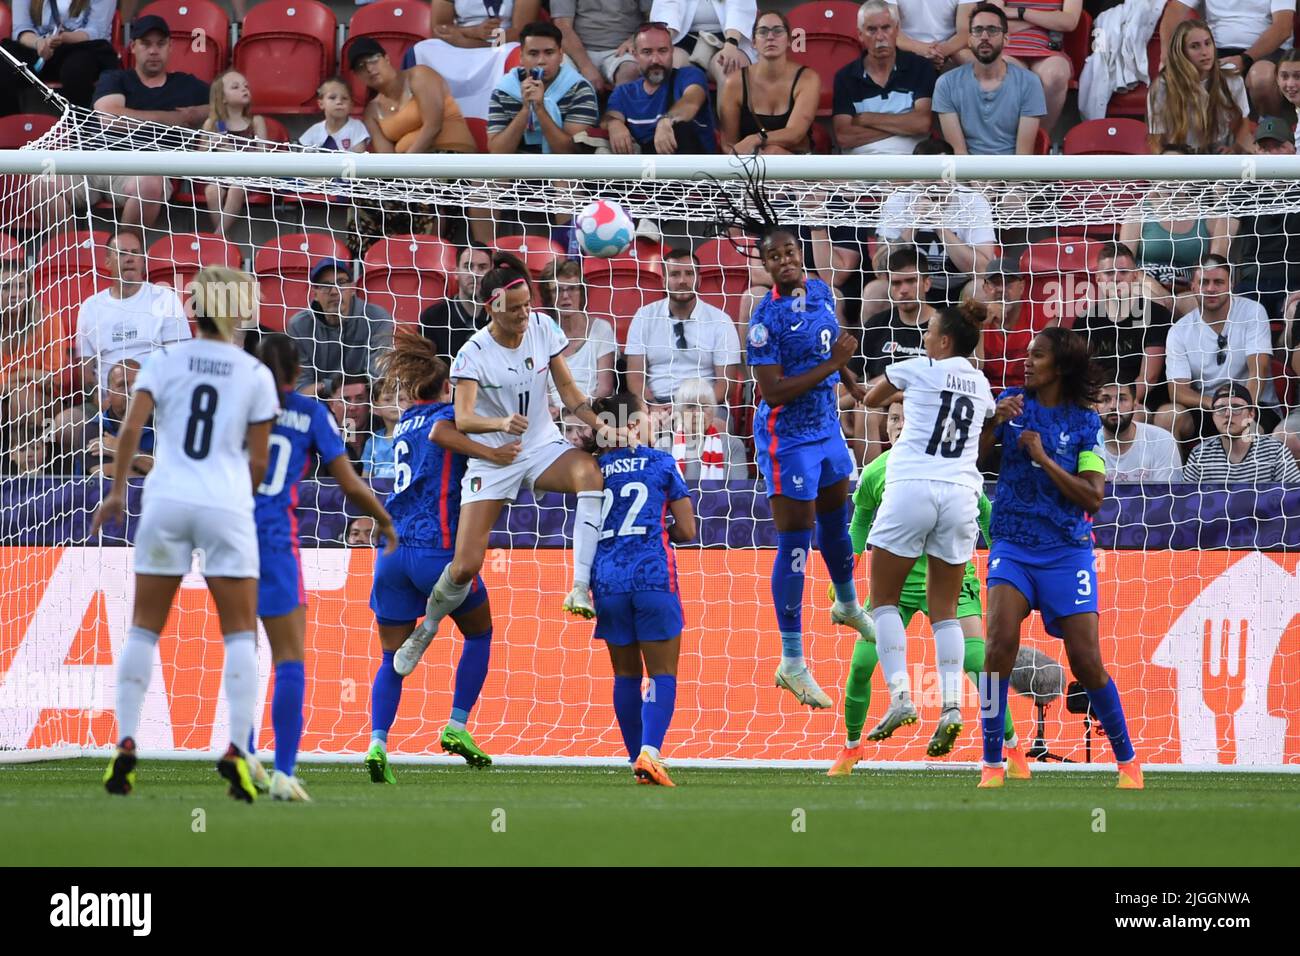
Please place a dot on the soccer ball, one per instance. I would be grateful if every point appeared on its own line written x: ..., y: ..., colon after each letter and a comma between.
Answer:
x: 604, y: 229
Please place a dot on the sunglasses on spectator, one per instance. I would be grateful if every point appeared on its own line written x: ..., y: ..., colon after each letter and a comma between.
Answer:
x: 987, y: 31
x: 680, y: 329
x: 1231, y: 408
x: 1223, y: 347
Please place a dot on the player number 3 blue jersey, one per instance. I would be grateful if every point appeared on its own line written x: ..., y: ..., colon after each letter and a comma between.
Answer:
x: 634, y: 553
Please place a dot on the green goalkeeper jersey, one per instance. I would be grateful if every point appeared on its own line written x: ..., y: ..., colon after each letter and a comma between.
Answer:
x: 866, y: 501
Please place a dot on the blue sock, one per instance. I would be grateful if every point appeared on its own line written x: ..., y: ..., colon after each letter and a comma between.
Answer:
x: 471, y: 672
x: 1105, y: 701
x: 657, y: 710
x: 992, y: 721
x: 252, y: 741
x: 286, y: 713
x: 627, y: 708
x: 385, y: 695
x: 837, y: 551
x: 792, y: 549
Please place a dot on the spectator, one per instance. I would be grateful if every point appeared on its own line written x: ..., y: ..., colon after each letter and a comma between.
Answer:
x: 448, y: 324
x: 1194, y: 100
x: 679, y: 337
x: 1125, y: 330
x: 592, y: 351
x: 1268, y: 245
x: 1169, y: 249
x: 129, y: 319
x: 29, y: 454
x: 1225, y: 340
x: 667, y: 110
x: 1251, y: 37
x: 1288, y: 84
x: 882, y: 101
x: 148, y: 93
x: 530, y: 115
x: 938, y: 30
x: 339, y: 336
x: 1239, y: 453
x: 1005, y: 340
x: 770, y: 107
x: 576, y: 432
x: 949, y: 225
x: 1134, y: 452
x: 989, y: 107
x: 378, y: 459
x: 68, y: 41
x: 698, y: 439
x: 229, y: 114
x: 596, y: 34
x: 65, y: 437
x: 360, y: 532
x: 474, y: 24
x: 1035, y: 28
x: 695, y: 26
x: 32, y: 352
x: 100, y: 451
x: 338, y: 129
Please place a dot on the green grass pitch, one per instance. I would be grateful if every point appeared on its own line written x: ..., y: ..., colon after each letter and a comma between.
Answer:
x: 57, y: 813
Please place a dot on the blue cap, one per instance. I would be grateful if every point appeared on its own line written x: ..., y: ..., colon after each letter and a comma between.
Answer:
x: 338, y: 265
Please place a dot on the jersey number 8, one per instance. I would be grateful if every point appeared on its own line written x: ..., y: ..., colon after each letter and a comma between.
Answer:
x: 198, y: 429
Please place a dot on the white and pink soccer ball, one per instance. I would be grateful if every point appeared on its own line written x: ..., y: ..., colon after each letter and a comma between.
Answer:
x: 604, y: 229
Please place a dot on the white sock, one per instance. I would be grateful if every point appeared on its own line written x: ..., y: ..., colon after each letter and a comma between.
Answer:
x: 950, y: 648
x: 586, y: 535
x: 134, y: 669
x: 652, y: 751
x: 891, y: 647
x: 850, y: 744
x: 792, y: 665
x: 446, y: 597
x: 241, y: 684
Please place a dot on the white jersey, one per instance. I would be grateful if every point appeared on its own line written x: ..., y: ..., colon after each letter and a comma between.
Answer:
x: 945, y: 404
x: 205, y: 394
x: 514, y: 381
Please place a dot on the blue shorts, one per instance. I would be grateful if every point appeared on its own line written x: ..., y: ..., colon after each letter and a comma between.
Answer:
x: 800, y: 471
x: 405, y: 579
x: 1058, y: 582
x: 638, y: 617
x: 280, y: 589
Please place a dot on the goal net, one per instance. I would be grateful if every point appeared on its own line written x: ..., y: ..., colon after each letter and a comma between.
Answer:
x: 1199, y: 580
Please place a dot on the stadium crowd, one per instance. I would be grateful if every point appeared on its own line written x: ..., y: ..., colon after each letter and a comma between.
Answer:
x: 1194, y: 322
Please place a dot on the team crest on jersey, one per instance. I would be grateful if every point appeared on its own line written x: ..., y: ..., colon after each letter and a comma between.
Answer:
x: 758, y: 335
x: 475, y: 484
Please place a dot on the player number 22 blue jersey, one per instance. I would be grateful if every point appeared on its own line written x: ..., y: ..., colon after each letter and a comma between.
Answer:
x: 634, y: 553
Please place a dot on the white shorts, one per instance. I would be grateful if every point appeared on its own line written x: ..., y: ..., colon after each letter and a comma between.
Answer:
x: 170, y: 532
x: 918, y: 516
x: 608, y: 61
x: 485, y: 481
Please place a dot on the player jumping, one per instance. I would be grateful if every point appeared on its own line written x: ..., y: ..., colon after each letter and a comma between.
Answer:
x: 634, y: 580
x: 857, y: 692
x: 1052, y: 479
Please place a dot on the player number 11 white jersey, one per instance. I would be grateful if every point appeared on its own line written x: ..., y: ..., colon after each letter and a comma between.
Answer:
x: 945, y: 404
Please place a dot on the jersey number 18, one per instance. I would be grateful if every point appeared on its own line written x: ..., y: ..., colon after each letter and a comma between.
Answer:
x: 952, y: 426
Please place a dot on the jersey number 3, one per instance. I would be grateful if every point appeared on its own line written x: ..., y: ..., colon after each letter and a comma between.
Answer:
x: 952, y: 427
x: 198, y: 430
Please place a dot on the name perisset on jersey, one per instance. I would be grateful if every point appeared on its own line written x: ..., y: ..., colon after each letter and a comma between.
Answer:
x: 957, y: 383
x: 207, y: 366
x: 623, y: 465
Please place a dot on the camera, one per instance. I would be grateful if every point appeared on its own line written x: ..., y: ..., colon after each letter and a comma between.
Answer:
x: 535, y: 72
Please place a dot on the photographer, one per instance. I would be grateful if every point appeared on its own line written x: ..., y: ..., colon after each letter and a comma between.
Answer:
x: 540, y: 106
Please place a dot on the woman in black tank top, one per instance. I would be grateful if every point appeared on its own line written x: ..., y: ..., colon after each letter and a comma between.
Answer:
x: 774, y: 83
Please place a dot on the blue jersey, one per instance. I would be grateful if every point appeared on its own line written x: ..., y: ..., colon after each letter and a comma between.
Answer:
x: 1028, y: 509
x: 425, y: 503
x: 303, y: 429
x: 634, y: 553
x: 796, y: 332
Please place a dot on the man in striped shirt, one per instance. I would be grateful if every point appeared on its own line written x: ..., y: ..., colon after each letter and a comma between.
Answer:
x: 538, y: 107
x: 1239, y: 454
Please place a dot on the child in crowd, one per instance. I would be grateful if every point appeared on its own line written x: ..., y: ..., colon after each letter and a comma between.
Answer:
x: 339, y: 129
x: 378, y: 460
x: 230, y: 114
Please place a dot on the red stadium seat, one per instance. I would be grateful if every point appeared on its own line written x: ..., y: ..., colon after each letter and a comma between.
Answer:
x: 830, y: 29
x: 536, y: 252
x: 1059, y: 275
x: 406, y: 274
x: 396, y: 24
x: 6, y: 21
x: 478, y: 129
x: 200, y: 36
x: 70, y: 267
x: 1042, y: 142
x: 1134, y: 102
x: 619, y: 285
x: 286, y: 50
x: 1109, y: 136
x: 18, y: 130
x: 1077, y: 44
x: 283, y: 269
x: 723, y: 275
x: 173, y: 260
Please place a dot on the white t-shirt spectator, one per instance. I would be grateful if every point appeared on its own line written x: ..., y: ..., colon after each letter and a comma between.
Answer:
x: 1192, y: 350
x: 352, y: 135
x: 928, y: 21
x: 711, y: 341
x: 583, y: 363
x: 1152, y: 457
x: 965, y: 212
x: 1237, y: 24
x: 110, y: 329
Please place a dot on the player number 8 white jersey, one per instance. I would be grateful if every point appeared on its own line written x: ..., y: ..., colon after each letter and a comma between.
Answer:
x: 945, y: 405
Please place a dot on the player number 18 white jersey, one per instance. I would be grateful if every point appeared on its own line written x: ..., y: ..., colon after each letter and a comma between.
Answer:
x: 945, y: 405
